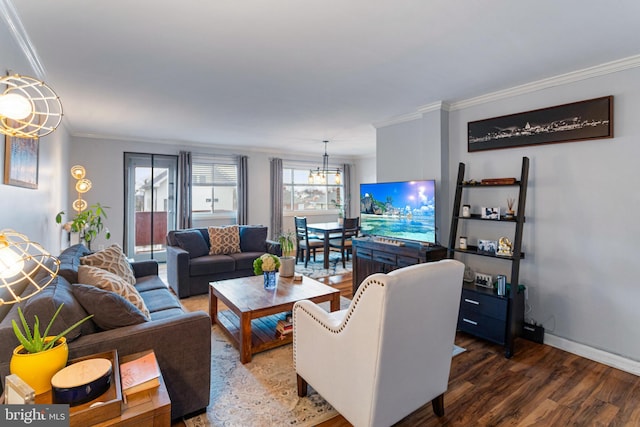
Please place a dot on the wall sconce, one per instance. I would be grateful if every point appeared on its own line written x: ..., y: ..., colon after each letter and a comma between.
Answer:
x: 28, y: 107
x: 23, y: 261
x: 82, y: 186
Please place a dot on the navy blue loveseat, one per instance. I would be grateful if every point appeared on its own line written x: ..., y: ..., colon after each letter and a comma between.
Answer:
x: 190, y: 268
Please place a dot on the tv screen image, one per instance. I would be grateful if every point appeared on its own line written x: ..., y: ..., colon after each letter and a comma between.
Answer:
x: 403, y: 210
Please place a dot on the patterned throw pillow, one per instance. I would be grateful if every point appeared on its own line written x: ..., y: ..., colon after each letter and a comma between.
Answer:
x: 111, y: 259
x: 224, y: 240
x: 108, y: 281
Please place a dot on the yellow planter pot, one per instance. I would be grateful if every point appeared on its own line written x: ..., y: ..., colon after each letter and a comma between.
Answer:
x: 37, y: 369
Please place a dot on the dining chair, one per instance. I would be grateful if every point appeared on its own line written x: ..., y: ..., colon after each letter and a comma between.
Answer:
x: 350, y: 227
x: 305, y: 244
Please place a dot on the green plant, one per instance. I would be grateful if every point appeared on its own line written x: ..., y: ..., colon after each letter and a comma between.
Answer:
x: 266, y: 262
x: 34, y: 342
x: 286, y: 241
x: 89, y: 223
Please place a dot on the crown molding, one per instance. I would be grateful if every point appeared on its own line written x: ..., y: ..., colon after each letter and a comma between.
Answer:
x: 397, y: 120
x: 173, y: 142
x: 14, y: 24
x: 436, y: 106
x: 562, y: 79
x: 235, y: 149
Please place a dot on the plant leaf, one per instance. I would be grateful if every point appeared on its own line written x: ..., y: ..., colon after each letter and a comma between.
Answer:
x: 51, y: 343
x: 23, y: 340
x: 25, y: 327
x: 46, y: 331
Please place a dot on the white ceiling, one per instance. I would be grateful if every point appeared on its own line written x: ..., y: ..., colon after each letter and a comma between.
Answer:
x: 286, y: 74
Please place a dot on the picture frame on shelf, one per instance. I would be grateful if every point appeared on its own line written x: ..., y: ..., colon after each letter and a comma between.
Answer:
x: 490, y: 213
x: 487, y: 246
x: 484, y: 280
x: 18, y: 392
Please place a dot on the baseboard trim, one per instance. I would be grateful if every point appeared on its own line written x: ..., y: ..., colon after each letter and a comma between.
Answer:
x: 600, y: 356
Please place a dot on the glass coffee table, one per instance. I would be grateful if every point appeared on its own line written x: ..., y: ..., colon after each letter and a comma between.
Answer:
x: 253, y: 312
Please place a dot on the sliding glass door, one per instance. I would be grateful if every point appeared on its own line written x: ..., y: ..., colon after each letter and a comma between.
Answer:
x: 150, y: 204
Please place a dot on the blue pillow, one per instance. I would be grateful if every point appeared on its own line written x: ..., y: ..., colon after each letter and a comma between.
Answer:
x: 192, y: 242
x: 253, y: 238
x: 110, y: 310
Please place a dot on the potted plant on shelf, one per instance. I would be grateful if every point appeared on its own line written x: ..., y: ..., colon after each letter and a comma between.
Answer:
x: 88, y: 223
x: 288, y: 260
x: 39, y: 356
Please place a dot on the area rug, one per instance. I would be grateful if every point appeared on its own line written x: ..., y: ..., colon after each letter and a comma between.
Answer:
x: 260, y: 393
x: 316, y: 269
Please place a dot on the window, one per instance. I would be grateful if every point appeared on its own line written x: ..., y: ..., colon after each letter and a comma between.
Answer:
x: 214, y: 181
x: 300, y: 195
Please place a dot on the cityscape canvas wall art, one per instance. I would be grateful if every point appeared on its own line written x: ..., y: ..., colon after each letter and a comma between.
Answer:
x: 577, y: 121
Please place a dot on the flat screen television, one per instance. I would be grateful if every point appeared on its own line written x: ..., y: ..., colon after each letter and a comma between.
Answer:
x: 403, y: 210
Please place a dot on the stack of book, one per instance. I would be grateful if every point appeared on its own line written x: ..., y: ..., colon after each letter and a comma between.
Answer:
x: 139, y: 375
x: 284, y: 328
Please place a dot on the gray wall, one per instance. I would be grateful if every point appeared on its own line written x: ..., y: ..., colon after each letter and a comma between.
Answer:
x: 413, y: 150
x: 32, y: 211
x: 104, y: 161
x: 579, y: 236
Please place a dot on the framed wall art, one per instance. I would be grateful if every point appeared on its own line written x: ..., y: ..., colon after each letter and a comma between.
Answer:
x: 577, y: 121
x: 21, y: 157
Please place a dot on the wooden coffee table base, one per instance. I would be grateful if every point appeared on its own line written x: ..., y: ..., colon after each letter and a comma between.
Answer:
x: 250, y: 322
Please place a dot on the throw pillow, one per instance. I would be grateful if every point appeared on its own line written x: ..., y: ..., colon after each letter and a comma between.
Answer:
x: 111, y: 259
x: 224, y: 240
x: 193, y: 242
x: 104, y: 279
x: 253, y: 238
x: 45, y: 303
x: 70, y: 260
x: 110, y: 310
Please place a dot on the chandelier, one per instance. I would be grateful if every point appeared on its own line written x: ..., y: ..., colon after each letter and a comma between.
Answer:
x: 320, y: 175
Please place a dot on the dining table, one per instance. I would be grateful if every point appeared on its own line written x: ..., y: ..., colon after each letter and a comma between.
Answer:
x: 325, y: 229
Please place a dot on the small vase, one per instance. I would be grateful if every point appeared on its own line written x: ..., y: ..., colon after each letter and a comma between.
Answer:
x: 270, y: 281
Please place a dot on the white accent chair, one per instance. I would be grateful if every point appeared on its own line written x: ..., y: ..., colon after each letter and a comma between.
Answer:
x: 390, y: 352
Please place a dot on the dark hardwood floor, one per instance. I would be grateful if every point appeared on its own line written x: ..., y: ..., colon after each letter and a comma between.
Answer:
x: 539, y: 386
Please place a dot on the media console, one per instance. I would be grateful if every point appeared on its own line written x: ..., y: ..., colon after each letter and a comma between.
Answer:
x: 372, y: 255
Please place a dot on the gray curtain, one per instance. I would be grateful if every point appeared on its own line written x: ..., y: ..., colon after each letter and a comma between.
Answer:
x: 243, y: 191
x: 184, y: 196
x: 276, y: 198
x: 346, y: 180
